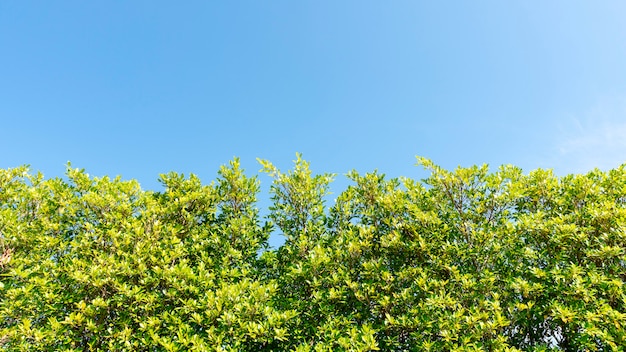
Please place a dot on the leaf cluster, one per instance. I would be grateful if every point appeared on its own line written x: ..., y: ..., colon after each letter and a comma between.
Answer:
x: 465, y: 260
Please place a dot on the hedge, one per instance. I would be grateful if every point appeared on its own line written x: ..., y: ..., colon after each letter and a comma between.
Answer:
x: 464, y: 260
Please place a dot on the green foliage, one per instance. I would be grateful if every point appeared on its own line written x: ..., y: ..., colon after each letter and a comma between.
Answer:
x: 465, y: 260
x: 98, y: 264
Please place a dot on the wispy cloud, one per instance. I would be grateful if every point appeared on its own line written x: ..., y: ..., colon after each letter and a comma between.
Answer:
x: 593, y: 139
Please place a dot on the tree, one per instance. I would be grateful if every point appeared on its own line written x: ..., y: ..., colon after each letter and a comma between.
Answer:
x: 465, y: 260
x: 99, y: 264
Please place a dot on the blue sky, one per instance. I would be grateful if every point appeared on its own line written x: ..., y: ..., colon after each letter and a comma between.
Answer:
x: 139, y: 88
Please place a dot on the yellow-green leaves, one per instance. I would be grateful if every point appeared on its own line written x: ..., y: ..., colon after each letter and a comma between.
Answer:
x: 98, y: 264
x: 466, y: 260
x: 298, y: 198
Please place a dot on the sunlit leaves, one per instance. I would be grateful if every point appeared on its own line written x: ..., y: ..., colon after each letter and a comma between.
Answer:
x: 99, y: 264
x: 465, y: 260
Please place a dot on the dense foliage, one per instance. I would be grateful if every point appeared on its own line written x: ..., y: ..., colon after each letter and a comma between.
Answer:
x: 465, y: 260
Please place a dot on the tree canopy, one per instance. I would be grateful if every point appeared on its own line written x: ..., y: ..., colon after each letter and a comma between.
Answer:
x: 464, y: 260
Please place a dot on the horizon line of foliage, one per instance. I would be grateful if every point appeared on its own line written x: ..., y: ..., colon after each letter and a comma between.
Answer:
x: 464, y: 260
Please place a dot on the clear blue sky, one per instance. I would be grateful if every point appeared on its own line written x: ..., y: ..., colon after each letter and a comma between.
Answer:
x: 139, y: 88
